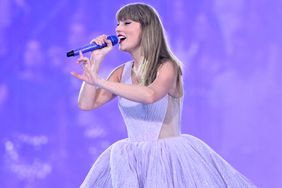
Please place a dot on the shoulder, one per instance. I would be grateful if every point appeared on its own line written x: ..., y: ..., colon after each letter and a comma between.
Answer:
x: 168, y: 71
x: 119, y: 68
x: 117, y: 72
x: 167, y: 66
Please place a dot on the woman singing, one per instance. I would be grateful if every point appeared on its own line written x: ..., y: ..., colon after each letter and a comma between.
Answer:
x: 150, y: 95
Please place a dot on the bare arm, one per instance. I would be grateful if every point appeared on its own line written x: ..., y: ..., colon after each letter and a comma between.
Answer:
x: 91, y: 97
x: 161, y: 86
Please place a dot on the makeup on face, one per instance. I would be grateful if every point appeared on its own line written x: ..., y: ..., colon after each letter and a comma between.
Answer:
x: 128, y: 32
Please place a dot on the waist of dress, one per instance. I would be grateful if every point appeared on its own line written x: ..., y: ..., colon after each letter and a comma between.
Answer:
x: 138, y: 139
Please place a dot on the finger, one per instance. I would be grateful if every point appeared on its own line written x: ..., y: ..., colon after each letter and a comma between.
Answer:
x: 80, y: 61
x: 85, y: 67
x: 84, y: 77
x: 87, y: 71
x: 83, y: 61
x: 99, y: 40
x: 81, y: 77
x: 104, y: 37
x: 76, y: 75
x: 109, y: 43
x: 92, y: 41
x: 80, y: 55
x: 87, y: 75
x: 95, y: 41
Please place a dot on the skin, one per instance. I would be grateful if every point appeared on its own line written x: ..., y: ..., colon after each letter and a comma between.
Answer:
x: 96, y: 91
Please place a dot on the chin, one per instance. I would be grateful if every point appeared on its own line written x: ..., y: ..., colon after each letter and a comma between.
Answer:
x: 123, y: 49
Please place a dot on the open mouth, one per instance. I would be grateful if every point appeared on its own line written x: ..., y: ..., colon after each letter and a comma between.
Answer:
x: 121, y: 38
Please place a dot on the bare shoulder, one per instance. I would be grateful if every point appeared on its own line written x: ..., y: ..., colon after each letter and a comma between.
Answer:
x: 167, y: 67
x: 169, y: 70
x: 116, y: 74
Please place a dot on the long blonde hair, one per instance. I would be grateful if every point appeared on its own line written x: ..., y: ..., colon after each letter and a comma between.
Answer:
x: 154, y: 45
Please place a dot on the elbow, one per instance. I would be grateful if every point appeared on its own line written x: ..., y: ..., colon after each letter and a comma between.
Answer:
x: 150, y: 97
x: 85, y: 107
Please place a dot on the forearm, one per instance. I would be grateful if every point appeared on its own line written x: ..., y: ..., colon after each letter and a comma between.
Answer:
x: 138, y: 93
x: 86, y: 98
x: 87, y: 94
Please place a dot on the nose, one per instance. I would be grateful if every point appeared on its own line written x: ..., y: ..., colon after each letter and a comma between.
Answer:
x: 118, y: 28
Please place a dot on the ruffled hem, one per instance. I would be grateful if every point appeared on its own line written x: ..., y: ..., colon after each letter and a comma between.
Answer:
x: 176, y: 162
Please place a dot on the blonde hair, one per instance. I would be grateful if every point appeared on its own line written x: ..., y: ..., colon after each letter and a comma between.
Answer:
x: 154, y: 45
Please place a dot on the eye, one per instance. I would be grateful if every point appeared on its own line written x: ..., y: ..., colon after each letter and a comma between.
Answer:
x: 117, y: 24
x: 127, y: 23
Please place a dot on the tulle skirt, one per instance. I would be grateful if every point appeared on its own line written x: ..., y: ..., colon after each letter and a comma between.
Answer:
x: 177, y: 162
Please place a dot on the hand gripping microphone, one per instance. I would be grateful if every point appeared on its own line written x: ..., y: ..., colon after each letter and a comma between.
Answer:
x: 93, y: 46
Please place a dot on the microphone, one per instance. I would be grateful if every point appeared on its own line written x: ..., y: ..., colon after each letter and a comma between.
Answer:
x: 93, y: 46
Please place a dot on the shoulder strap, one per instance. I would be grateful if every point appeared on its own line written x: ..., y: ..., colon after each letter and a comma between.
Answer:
x: 126, y: 73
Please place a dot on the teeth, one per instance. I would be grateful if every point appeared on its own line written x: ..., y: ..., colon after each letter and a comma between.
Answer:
x: 121, y: 37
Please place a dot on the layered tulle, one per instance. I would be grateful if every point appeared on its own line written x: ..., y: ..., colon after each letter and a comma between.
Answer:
x: 177, y: 162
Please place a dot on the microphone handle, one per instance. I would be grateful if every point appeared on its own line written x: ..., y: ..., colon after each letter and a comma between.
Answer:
x: 90, y: 47
x: 85, y: 49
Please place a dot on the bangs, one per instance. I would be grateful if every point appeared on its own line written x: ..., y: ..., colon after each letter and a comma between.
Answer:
x: 129, y: 12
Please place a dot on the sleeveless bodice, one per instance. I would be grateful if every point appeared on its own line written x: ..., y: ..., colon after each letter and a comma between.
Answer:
x: 155, y: 154
x: 143, y: 121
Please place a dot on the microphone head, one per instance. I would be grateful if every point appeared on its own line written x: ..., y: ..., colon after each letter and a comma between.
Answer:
x: 113, y: 38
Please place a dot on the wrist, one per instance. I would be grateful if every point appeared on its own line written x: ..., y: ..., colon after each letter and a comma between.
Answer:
x: 95, y: 60
x: 99, y: 82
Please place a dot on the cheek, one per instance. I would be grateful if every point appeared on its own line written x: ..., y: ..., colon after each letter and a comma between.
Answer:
x: 136, y: 42
x: 137, y: 32
x: 135, y: 38
x: 138, y: 37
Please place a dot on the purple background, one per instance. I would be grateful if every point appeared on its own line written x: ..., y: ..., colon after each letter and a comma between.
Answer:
x: 231, y: 51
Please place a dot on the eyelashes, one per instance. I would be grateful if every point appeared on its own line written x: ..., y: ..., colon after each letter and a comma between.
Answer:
x: 125, y: 23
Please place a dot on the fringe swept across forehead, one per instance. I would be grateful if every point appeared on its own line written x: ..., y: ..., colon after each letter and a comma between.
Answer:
x: 128, y: 12
x: 137, y: 12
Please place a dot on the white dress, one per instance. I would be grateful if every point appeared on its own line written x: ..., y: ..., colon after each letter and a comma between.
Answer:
x: 157, y: 155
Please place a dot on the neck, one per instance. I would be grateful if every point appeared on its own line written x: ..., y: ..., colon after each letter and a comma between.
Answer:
x: 136, y: 56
